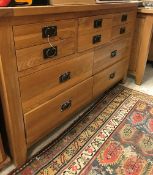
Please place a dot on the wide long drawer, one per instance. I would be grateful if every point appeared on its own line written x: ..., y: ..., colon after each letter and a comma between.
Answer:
x: 44, y: 53
x: 45, y: 84
x: 108, y: 55
x: 54, y: 112
x: 32, y: 34
x: 105, y: 79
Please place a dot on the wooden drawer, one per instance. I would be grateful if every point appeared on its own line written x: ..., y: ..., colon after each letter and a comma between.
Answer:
x: 105, y: 79
x: 122, y: 18
x: 51, y: 114
x: 121, y: 31
x: 33, y: 56
x: 43, y: 85
x: 108, y: 55
x: 92, y: 27
x: 31, y: 34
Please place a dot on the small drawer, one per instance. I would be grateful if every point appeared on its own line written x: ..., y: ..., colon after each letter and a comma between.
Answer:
x: 121, y: 31
x: 94, y: 31
x: 108, y: 55
x: 94, y: 23
x: 91, y: 40
x: 45, y: 84
x: 52, y: 114
x: 107, y: 78
x: 35, y: 34
x: 122, y: 18
x: 36, y: 55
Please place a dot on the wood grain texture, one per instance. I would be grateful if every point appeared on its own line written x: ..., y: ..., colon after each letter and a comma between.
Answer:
x: 144, y: 49
x: 31, y: 34
x: 39, y: 10
x: 136, y: 44
x: 117, y: 18
x: 86, y: 31
x: 103, y: 80
x: 33, y: 56
x: 43, y: 85
x: 50, y: 114
x: 103, y: 58
x: 10, y: 95
x: 128, y: 30
x: 27, y: 77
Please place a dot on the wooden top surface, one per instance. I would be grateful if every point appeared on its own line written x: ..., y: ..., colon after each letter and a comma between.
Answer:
x: 145, y: 10
x: 40, y: 10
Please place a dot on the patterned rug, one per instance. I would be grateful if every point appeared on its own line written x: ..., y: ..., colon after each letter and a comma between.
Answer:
x: 114, y: 137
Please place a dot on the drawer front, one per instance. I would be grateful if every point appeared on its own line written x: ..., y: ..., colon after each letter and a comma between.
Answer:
x: 122, y: 18
x: 91, y: 40
x: 36, y: 55
x: 43, y: 85
x: 121, y: 31
x: 34, y: 34
x: 94, y: 23
x: 108, y: 55
x: 53, y: 113
x: 105, y: 79
x: 93, y: 31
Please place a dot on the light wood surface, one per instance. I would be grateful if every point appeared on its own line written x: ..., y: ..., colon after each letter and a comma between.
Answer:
x: 50, y: 114
x: 31, y: 91
x: 141, y: 43
x: 33, y: 56
x: 108, y: 77
x: 10, y: 95
x: 45, y: 84
x: 116, y: 30
x: 117, y: 18
x: 39, y: 10
x: 103, y: 57
x: 31, y: 34
x: 136, y: 45
x: 146, y: 11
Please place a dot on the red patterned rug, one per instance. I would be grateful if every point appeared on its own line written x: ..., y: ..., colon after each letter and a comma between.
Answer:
x: 114, y: 137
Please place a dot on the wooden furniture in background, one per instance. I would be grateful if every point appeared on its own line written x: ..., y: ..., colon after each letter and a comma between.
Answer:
x: 44, y: 81
x: 141, y: 44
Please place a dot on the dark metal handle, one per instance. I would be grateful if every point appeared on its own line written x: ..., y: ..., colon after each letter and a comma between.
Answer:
x: 122, y: 30
x: 114, y: 53
x: 49, y: 31
x: 98, y: 23
x: 66, y: 105
x: 50, y: 52
x: 65, y: 77
x: 96, y: 39
x: 124, y: 17
x: 112, y: 76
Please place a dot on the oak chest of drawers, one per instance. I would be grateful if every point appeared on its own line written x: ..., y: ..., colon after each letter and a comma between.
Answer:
x: 54, y: 62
